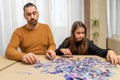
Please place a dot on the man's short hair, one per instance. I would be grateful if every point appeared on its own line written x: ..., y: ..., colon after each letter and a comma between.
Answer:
x: 28, y: 5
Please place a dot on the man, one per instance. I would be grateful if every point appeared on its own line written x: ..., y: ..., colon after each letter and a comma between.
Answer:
x: 32, y: 38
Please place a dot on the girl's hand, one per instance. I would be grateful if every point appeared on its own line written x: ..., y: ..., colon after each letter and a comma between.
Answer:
x: 66, y: 51
x: 112, y: 57
x: 118, y: 59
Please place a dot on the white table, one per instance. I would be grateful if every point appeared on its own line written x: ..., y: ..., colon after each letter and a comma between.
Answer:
x: 4, y: 62
x: 20, y: 71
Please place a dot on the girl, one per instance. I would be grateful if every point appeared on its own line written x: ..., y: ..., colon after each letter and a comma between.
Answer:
x: 78, y: 44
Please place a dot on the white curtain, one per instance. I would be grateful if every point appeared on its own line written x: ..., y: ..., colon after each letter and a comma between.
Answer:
x: 113, y: 17
x: 58, y: 14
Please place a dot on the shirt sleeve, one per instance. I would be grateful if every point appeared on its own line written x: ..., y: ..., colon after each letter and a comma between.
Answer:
x: 65, y: 44
x: 95, y: 50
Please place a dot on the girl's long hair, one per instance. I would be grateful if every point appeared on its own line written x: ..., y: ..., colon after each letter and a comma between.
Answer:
x: 82, y: 46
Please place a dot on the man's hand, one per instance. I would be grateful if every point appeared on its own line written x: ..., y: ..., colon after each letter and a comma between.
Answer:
x: 29, y: 58
x: 51, y: 54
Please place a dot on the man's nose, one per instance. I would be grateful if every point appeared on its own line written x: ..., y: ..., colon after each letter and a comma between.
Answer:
x: 32, y: 16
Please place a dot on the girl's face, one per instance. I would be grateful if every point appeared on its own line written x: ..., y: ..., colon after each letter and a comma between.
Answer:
x: 79, y: 34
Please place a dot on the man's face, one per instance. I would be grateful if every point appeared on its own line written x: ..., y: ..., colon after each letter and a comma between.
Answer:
x: 31, y: 15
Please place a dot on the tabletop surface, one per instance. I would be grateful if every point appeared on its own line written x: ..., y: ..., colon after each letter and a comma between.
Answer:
x: 21, y: 71
x: 4, y: 62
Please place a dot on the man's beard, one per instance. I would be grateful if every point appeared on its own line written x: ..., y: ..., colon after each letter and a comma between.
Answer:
x: 33, y: 22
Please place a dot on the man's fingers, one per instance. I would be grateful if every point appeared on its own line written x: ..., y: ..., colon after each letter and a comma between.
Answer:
x: 29, y: 58
x: 32, y: 59
x: 49, y: 55
x: 25, y: 60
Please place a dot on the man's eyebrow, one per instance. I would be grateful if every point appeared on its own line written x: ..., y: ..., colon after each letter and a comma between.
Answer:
x: 30, y: 12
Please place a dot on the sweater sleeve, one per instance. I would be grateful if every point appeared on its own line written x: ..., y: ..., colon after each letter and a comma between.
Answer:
x: 52, y: 45
x: 65, y: 44
x: 95, y: 50
x: 58, y: 52
x: 11, y: 50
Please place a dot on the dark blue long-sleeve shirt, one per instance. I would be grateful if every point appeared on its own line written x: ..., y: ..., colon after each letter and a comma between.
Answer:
x: 91, y: 50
